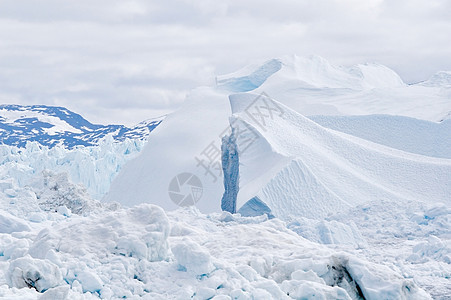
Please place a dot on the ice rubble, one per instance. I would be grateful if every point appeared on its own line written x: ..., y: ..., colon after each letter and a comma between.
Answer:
x: 115, y: 252
x: 93, y: 253
x: 112, y: 252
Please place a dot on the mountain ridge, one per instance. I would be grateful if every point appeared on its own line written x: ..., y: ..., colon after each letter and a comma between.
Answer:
x: 56, y: 125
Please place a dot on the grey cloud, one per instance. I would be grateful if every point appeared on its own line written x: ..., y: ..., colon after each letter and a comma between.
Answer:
x: 119, y: 61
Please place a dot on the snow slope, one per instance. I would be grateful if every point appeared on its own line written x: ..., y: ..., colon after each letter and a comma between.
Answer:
x: 320, y: 171
x: 188, y: 141
x: 402, y: 133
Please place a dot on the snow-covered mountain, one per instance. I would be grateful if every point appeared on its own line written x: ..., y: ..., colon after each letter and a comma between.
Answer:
x: 50, y: 126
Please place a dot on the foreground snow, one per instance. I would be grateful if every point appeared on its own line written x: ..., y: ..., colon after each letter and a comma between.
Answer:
x: 112, y: 252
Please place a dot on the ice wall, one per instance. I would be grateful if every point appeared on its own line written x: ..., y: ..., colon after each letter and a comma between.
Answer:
x: 94, y: 167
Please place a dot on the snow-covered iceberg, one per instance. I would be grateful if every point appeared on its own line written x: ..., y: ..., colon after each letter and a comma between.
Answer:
x: 189, y: 140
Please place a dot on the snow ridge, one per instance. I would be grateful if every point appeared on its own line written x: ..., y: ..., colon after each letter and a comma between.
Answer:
x: 327, y: 171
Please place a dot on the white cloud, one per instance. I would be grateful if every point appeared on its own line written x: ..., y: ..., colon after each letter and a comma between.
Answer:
x: 123, y: 61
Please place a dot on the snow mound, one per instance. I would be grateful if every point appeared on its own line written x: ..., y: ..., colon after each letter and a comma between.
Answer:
x: 328, y: 232
x: 316, y: 171
x: 140, y: 232
x: 439, y: 79
x: 10, y: 224
x: 313, y: 72
x: 192, y: 257
x: 55, y: 191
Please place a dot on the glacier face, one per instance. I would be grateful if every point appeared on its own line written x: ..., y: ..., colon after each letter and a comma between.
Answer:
x: 51, y: 126
x: 94, y: 167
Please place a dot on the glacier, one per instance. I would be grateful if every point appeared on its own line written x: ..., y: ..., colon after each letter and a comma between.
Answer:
x: 94, y: 167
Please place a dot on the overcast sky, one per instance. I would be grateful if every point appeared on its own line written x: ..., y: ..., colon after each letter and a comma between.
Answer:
x: 126, y: 61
